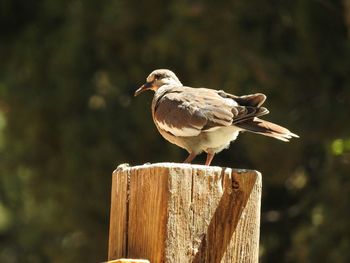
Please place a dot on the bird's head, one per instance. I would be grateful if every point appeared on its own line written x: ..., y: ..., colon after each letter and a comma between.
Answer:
x: 158, y: 78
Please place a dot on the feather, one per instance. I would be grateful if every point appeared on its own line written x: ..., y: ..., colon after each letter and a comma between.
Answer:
x: 267, y: 128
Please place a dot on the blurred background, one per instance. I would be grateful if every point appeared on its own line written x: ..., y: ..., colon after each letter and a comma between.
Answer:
x: 68, y: 117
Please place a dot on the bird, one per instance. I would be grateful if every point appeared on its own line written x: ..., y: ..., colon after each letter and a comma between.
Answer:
x: 205, y: 120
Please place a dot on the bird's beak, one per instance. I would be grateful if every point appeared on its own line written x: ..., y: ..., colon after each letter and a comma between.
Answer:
x: 146, y: 86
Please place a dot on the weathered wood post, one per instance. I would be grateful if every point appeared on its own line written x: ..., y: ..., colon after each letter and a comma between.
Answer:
x: 170, y: 212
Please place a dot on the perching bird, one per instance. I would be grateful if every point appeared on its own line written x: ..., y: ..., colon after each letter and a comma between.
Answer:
x: 205, y: 120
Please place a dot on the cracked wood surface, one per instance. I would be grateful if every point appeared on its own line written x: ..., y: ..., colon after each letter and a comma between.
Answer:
x: 169, y: 212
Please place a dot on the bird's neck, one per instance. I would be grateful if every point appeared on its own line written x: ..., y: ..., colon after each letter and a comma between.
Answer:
x: 161, y: 91
x: 167, y: 86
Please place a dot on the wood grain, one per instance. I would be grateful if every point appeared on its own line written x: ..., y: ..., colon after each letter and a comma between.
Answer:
x: 118, y: 213
x: 185, y: 213
x: 147, y: 214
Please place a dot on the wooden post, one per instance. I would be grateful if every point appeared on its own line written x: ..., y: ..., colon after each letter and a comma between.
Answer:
x: 170, y: 212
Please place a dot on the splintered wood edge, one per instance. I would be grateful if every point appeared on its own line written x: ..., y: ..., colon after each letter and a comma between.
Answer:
x: 126, y: 166
x: 249, y: 175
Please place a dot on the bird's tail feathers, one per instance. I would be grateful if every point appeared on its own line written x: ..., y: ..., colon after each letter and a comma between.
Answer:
x: 267, y: 128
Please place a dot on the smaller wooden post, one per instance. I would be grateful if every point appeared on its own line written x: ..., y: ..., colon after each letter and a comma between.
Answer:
x: 171, y: 212
x: 128, y: 260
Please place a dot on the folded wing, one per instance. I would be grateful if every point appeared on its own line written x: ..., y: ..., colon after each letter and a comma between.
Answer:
x: 184, y: 111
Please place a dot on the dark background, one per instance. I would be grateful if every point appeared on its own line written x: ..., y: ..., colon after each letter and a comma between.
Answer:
x: 68, y: 117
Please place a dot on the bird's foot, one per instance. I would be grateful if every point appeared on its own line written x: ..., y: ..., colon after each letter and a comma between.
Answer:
x: 190, y: 158
x: 210, y: 157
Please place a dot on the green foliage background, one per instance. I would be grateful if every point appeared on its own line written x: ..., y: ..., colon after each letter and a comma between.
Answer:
x: 68, y: 118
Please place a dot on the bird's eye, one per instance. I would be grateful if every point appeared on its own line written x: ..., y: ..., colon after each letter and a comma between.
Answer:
x: 157, y: 76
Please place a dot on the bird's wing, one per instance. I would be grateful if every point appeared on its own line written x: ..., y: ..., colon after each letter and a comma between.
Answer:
x: 253, y: 100
x: 184, y: 111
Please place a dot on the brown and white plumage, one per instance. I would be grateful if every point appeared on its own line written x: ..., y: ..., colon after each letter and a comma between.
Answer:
x: 200, y: 119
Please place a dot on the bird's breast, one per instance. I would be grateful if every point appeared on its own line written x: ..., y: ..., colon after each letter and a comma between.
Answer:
x: 220, y: 138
